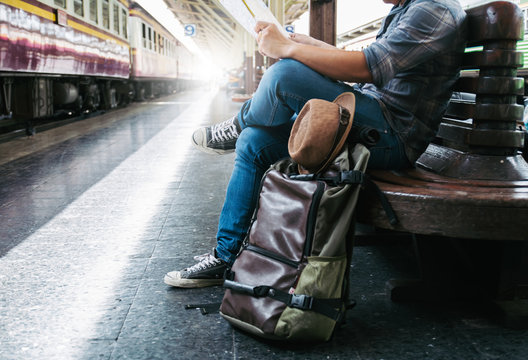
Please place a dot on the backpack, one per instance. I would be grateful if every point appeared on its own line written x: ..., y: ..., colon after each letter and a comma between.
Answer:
x: 290, y: 278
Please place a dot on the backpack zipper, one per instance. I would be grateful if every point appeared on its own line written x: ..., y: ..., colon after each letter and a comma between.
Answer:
x: 272, y: 255
x: 312, y: 217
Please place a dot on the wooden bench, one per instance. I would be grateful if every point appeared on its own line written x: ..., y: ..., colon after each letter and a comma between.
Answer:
x: 466, y: 202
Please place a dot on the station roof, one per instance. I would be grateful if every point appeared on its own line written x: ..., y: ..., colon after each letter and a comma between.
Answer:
x: 352, y: 35
x: 218, y: 33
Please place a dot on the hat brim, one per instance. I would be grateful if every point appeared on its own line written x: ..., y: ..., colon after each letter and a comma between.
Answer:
x: 348, y: 101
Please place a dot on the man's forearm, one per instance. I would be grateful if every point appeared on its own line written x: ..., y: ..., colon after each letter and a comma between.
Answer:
x: 335, y: 63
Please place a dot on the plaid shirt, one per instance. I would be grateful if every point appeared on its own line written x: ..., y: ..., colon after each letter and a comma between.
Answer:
x: 414, y: 63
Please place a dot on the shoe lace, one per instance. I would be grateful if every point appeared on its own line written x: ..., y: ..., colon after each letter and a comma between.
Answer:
x: 224, y: 131
x: 204, y: 261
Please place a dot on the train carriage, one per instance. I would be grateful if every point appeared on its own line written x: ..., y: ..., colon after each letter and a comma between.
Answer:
x: 60, y: 55
x: 154, y: 53
x: 77, y: 56
x: 39, y: 38
x: 188, y: 66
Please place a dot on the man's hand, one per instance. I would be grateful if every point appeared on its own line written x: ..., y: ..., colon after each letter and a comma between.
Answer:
x: 308, y: 40
x: 271, y: 42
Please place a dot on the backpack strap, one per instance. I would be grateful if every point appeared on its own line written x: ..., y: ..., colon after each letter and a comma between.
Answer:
x: 209, y: 308
x: 341, y: 178
x: 353, y: 177
x: 371, y: 185
x: 331, y: 308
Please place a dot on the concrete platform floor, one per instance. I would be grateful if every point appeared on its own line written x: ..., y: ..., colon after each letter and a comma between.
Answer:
x: 94, y: 214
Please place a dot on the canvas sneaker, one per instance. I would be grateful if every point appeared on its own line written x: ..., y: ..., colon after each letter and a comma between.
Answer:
x: 219, y: 138
x: 208, y: 271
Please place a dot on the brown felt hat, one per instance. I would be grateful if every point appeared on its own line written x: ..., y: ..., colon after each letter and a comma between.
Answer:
x: 320, y: 131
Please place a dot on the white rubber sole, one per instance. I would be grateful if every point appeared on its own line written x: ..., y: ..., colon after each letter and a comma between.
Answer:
x: 198, y: 140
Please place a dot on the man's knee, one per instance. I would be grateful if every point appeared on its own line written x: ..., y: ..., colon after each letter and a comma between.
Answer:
x: 262, y: 146
x: 285, y: 67
x: 284, y: 71
x: 250, y: 141
x: 244, y: 140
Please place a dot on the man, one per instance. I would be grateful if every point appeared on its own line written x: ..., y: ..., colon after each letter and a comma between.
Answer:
x: 403, y: 84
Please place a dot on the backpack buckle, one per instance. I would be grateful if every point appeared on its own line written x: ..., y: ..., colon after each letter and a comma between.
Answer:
x: 351, y: 177
x: 302, y: 302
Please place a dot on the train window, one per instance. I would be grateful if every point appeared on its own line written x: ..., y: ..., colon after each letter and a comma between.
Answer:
x: 155, y: 42
x: 144, y: 28
x: 93, y: 10
x: 150, y: 38
x: 116, y: 18
x: 106, y: 14
x: 160, y: 44
x: 61, y: 3
x: 124, y: 23
x: 78, y: 7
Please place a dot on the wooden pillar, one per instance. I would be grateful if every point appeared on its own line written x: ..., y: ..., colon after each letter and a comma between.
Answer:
x: 249, y: 67
x: 323, y: 20
x: 277, y: 8
x: 259, y: 68
x: 259, y: 60
x: 249, y: 82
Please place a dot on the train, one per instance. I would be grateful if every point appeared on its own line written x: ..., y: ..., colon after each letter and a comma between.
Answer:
x: 523, y: 44
x: 80, y: 56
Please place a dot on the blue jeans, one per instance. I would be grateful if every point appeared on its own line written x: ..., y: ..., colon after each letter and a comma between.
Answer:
x: 266, y: 121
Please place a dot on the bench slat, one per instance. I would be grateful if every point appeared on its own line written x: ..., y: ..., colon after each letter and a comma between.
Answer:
x: 480, y: 137
x: 499, y: 112
x: 493, y: 58
x: 497, y: 85
x: 495, y: 138
x: 459, y: 109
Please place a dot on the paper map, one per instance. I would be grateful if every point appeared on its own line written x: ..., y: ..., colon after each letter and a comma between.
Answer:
x: 248, y: 12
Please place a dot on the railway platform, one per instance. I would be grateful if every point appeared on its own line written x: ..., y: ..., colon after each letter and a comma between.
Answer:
x: 93, y: 214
